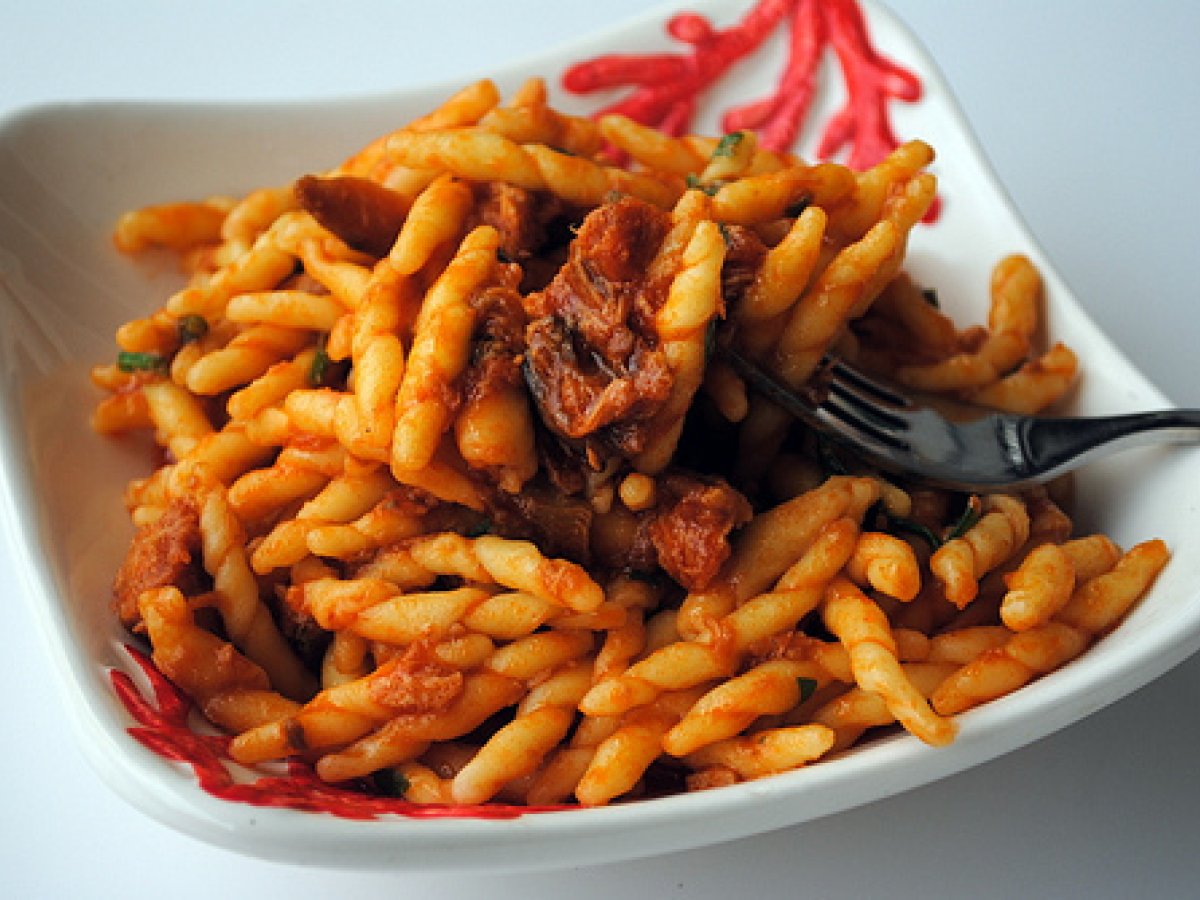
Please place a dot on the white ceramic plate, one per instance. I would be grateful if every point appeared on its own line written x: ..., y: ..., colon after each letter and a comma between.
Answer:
x: 66, y: 172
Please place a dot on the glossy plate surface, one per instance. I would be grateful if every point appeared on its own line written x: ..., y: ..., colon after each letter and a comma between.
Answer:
x: 66, y: 173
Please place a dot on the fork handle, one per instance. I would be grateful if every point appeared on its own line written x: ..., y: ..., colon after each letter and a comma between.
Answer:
x: 1055, y: 444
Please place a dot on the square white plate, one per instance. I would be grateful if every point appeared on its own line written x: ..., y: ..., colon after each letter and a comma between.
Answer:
x: 66, y: 172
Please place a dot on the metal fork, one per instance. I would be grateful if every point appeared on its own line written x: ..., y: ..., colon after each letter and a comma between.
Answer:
x: 985, y: 451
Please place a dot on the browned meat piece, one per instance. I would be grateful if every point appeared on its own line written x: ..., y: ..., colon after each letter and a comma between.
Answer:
x: 562, y: 464
x: 535, y: 228
x: 165, y: 552
x: 620, y: 540
x: 364, y: 214
x: 560, y: 525
x: 579, y: 396
x: 495, y: 429
x: 593, y: 364
x: 685, y: 534
x: 519, y: 215
x: 497, y: 343
x: 744, y: 253
x: 691, y: 526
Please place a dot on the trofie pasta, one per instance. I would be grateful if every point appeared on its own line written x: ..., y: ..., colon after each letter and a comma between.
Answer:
x: 456, y: 489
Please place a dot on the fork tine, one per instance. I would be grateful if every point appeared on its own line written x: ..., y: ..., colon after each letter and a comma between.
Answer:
x: 862, y: 422
x: 849, y: 412
x: 875, y: 409
x: 865, y: 389
x: 846, y: 397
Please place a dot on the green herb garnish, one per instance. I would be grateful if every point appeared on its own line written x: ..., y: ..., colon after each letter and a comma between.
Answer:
x: 829, y: 460
x: 131, y: 361
x: 694, y: 183
x: 710, y: 340
x: 390, y: 783
x: 192, y: 328
x: 908, y: 526
x: 480, y: 528
x: 808, y: 687
x: 970, y: 515
x: 319, y: 367
x: 728, y: 145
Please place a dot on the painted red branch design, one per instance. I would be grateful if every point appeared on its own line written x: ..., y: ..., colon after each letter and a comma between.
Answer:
x: 163, y: 727
x: 666, y: 87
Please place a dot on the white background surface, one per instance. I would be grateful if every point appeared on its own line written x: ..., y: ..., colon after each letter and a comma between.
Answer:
x: 1088, y: 111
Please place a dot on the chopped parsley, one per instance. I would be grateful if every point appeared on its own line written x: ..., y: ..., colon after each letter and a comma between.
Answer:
x: 710, y: 339
x: 964, y: 523
x: 390, y: 783
x: 319, y: 367
x: 908, y: 526
x: 480, y: 528
x: 192, y: 328
x: 131, y: 361
x: 694, y: 183
x: 728, y: 145
x: 808, y: 687
x: 829, y: 460
x: 970, y: 515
